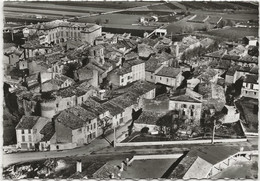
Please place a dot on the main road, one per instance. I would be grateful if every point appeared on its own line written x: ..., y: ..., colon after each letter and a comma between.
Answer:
x: 101, y: 146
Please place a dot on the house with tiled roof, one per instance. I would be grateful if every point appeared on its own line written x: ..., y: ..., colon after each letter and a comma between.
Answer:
x: 148, y: 119
x: 49, y: 137
x: 65, y: 98
x: 188, y: 102
x: 229, y: 78
x: 56, y: 82
x: 152, y: 66
x: 28, y: 132
x: 242, y: 71
x: 250, y: 86
x: 169, y: 76
x: 74, y: 127
x: 11, y: 57
x: 128, y: 72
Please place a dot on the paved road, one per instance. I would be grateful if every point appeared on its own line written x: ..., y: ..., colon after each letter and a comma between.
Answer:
x: 101, y: 146
x: 95, y: 145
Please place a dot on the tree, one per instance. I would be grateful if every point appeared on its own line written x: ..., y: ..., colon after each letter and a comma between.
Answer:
x: 105, y: 124
x: 98, y: 21
x: 144, y: 130
x: 171, y: 122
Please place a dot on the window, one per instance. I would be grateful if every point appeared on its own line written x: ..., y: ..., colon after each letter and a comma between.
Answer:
x: 184, y: 106
x: 23, y: 138
x: 129, y: 77
x: 68, y: 103
x: 57, y: 105
x: 183, y: 113
x: 121, y: 114
x: 82, y: 99
x: 91, y: 126
x: 192, y: 106
x: 160, y: 78
x: 167, y: 80
x: 246, y: 92
x: 22, y: 131
x: 87, y: 128
x: 151, y: 77
x: 29, y: 131
x: 30, y: 138
x: 251, y: 86
x: 122, y: 80
x: 94, y: 125
x: 191, y: 113
x: 80, y: 130
x: 255, y: 93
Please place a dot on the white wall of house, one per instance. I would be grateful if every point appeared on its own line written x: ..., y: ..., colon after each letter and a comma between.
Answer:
x: 85, y: 134
x: 190, y: 109
x: 169, y: 81
x: 138, y: 72
x: 250, y: 90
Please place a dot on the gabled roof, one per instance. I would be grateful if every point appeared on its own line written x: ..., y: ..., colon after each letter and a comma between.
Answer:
x: 125, y: 100
x: 152, y: 65
x: 113, y: 108
x: 82, y: 113
x: 249, y: 78
x: 69, y: 120
x: 48, y: 131
x: 27, y: 122
x: 184, y: 98
x: 94, y: 107
x: 216, y: 54
x: 169, y: 72
x: 148, y: 117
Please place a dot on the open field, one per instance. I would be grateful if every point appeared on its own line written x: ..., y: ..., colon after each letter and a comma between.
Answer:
x: 217, y: 5
x: 121, y: 19
x: 233, y: 33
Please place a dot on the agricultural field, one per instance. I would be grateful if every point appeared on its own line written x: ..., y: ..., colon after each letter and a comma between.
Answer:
x: 217, y: 5
x: 233, y: 33
x: 121, y: 19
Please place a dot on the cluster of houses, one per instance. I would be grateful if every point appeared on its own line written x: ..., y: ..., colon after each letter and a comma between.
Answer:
x: 74, y: 81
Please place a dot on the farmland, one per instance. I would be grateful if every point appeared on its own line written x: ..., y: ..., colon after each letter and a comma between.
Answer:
x: 233, y: 33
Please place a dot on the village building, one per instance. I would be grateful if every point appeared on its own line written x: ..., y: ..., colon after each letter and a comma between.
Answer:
x: 74, y: 127
x: 59, y: 31
x: 250, y: 86
x: 11, y: 58
x: 65, y: 98
x: 128, y: 72
x: 169, y: 76
x: 242, y: 71
x: 250, y: 40
x: 189, y: 103
x: 28, y: 131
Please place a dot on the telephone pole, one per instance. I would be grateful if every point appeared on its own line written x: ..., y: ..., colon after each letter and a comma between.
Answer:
x: 213, y: 132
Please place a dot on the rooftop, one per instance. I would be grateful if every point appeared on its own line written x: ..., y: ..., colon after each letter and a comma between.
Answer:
x: 184, y: 98
x: 152, y: 64
x: 48, y: 131
x: 169, y: 72
x: 113, y: 108
x: 250, y: 78
x: 82, y: 113
x: 94, y: 107
x: 69, y: 120
x: 216, y: 54
x: 148, y: 117
x: 27, y: 122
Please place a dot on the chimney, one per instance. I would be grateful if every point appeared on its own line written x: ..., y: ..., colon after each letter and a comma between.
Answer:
x: 122, y: 167
x: 79, y: 166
